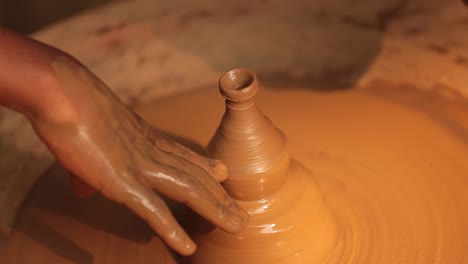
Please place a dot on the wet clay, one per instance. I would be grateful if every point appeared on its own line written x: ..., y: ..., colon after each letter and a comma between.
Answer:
x: 284, y: 201
x: 376, y: 175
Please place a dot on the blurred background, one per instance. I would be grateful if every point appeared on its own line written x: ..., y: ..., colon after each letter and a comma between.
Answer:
x: 27, y: 16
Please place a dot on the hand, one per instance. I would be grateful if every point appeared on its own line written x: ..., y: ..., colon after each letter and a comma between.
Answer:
x: 110, y: 148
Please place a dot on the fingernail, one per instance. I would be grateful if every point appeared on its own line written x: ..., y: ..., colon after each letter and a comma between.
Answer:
x: 237, y: 224
x: 189, y: 247
x: 241, y: 220
x: 220, y: 169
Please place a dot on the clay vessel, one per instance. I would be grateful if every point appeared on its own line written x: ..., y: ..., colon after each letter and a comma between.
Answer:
x: 290, y: 221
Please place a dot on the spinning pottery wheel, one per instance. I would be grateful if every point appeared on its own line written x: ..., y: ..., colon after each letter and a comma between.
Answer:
x: 389, y: 155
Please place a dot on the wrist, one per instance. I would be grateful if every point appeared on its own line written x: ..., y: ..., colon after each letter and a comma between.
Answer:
x: 27, y: 82
x: 46, y: 101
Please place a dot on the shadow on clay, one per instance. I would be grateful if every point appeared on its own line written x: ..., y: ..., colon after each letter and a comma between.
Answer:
x: 39, y: 231
x: 20, y: 168
x: 54, y: 193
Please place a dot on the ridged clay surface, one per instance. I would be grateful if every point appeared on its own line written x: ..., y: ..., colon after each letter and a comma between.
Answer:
x: 391, y: 166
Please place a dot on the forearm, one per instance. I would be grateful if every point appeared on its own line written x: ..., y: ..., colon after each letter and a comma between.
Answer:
x: 27, y: 83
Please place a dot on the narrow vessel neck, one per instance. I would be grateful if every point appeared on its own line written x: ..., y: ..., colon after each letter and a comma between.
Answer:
x: 254, y: 150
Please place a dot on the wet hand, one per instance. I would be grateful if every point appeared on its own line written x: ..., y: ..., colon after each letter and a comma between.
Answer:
x: 114, y: 151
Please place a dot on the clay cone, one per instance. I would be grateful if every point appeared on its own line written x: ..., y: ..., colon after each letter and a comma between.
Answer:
x: 290, y: 221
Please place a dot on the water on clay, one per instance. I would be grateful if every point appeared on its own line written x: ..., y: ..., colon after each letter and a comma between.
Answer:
x: 392, y: 163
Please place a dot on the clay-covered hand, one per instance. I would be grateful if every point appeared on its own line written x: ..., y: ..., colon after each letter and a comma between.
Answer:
x: 115, y: 151
x: 108, y: 146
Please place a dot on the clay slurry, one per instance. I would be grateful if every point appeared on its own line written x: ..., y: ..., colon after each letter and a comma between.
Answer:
x: 377, y: 178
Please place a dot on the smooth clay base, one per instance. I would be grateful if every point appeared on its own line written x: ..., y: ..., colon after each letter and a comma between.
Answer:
x: 391, y: 162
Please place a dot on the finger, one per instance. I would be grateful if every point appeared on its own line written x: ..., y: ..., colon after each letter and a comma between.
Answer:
x: 210, y: 200
x: 176, y: 162
x: 215, y: 168
x: 81, y: 188
x: 146, y: 204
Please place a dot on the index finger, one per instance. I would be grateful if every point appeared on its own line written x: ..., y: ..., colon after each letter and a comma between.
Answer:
x: 215, y: 168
